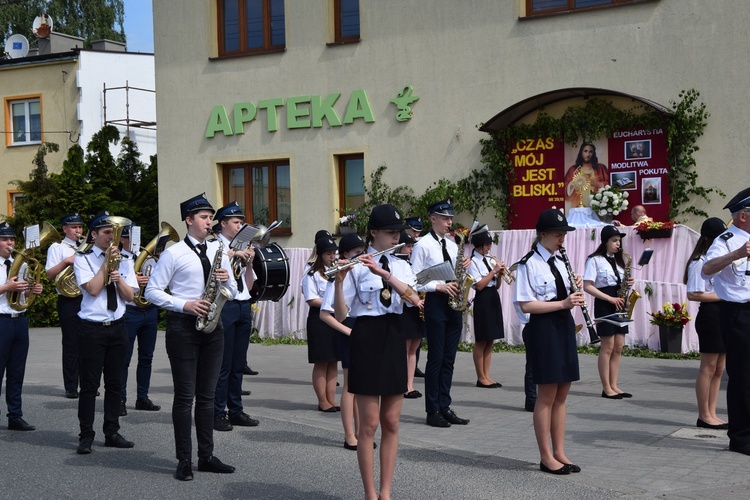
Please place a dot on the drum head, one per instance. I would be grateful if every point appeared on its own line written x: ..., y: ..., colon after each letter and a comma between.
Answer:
x: 271, y: 266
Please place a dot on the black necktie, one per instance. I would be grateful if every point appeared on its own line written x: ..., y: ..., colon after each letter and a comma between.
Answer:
x: 385, y: 294
x: 446, y: 257
x: 204, y: 261
x: 484, y: 259
x: 111, y: 297
x: 7, y: 269
x: 240, y: 284
x: 562, y: 291
x: 613, y: 263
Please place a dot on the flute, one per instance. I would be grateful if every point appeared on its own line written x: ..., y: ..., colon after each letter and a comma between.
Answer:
x: 594, y: 338
x: 332, y: 271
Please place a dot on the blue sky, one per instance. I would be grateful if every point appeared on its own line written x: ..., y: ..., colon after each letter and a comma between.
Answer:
x: 139, y: 25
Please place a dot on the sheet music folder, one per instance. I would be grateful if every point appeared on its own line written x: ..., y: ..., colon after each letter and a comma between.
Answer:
x: 440, y: 272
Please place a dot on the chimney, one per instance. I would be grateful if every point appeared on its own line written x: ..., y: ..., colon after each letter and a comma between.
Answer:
x: 108, y: 46
x: 59, y: 42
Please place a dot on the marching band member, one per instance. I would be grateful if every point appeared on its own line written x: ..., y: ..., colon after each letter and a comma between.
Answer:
x: 59, y: 256
x: 543, y: 304
x: 194, y: 355
x: 415, y: 230
x: 14, y: 333
x: 728, y: 262
x: 377, y: 374
x: 412, y: 325
x: 602, y: 279
x: 443, y: 324
x: 708, y: 326
x: 103, y: 337
x: 141, y: 323
x: 322, y: 340
x: 237, y: 320
x: 488, y: 313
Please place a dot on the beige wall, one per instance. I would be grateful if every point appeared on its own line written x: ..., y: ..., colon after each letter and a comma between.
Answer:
x: 466, y: 60
x: 56, y: 83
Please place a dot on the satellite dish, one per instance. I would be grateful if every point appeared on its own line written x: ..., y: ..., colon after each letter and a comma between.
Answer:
x: 17, y: 46
x: 42, y: 26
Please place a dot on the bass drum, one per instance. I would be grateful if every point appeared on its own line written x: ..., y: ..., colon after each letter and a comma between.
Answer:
x: 271, y: 266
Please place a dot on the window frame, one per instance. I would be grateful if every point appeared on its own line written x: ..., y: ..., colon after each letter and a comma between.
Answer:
x: 26, y: 99
x: 13, y: 196
x: 337, y: 38
x: 341, y: 175
x: 571, y: 8
x: 242, y: 20
x: 273, y: 208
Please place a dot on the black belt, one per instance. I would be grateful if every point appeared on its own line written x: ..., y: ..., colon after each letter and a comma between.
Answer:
x: 140, y: 309
x: 243, y: 301
x: 13, y: 315
x: 114, y: 322
x: 737, y: 305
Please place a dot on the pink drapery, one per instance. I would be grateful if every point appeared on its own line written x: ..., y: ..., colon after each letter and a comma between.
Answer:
x: 663, y: 275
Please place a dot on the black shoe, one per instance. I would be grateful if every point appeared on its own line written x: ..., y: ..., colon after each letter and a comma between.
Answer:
x: 626, y: 395
x: 497, y: 384
x: 418, y: 373
x: 245, y: 393
x: 573, y: 468
x: 488, y: 386
x: 700, y: 423
x: 184, y: 470
x: 332, y: 409
x: 744, y: 449
x: 84, y: 445
x: 613, y: 396
x: 117, y: 441
x: 437, y: 420
x: 213, y: 464
x: 71, y: 394
x: 454, y: 419
x: 353, y: 447
x: 221, y: 423
x: 564, y: 470
x: 248, y: 371
x: 123, y: 409
x: 413, y: 394
x: 19, y: 424
x: 146, y: 404
x: 243, y: 420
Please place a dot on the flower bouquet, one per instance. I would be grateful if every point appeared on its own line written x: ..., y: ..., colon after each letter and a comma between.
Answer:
x: 672, y: 315
x: 649, y: 229
x: 609, y: 201
x: 347, y: 224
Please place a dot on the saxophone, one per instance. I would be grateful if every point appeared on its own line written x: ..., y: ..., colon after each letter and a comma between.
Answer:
x: 461, y: 301
x: 216, y: 293
x: 629, y: 296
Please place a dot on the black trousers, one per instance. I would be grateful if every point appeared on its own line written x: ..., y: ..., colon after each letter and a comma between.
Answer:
x: 14, y: 348
x: 101, y: 349
x: 67, y: 310
x: 443, y: 334
x: 195, y: 358
x: 735, y: 328
x: 237, y: 320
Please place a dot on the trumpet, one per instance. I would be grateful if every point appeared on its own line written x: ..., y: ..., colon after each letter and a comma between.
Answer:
x: 353, y: 262
x: 507, y: 273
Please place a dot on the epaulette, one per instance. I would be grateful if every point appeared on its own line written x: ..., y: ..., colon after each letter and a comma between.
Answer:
x: 525, y: 258
x: 726, y: 236
x: 90, y: 250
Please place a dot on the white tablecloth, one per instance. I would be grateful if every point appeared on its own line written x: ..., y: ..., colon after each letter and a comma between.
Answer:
x: 663, y: 275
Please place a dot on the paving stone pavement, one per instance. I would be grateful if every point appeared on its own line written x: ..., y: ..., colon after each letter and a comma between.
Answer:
x: 645, y: 447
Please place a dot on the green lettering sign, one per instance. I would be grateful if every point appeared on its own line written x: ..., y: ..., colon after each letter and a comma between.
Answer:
x: 293, y: 113
x: 359, y: 107
x: 244, y: 112
x: 324, y: 109
x: 272, y: 115
x: 218, y: 122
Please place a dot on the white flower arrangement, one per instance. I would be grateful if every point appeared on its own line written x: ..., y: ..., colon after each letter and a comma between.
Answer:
x: 346, y: 220
x: 609, y: 200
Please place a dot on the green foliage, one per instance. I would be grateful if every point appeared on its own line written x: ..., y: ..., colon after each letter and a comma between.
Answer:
x: 31, y: 209
x: 634, y: 352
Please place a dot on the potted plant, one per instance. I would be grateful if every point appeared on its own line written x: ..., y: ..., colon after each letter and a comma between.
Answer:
x: 670, y: 321
x: 347, y: 224
x: 608, y: 202
x: 649, y: 229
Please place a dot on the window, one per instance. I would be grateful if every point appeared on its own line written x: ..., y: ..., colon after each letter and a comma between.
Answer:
x: 346, y: 18
x: 251, y: 26
x: 540, y: 7
x: 25, y: 121
x: 351, y: 173
x: 13, y: 197
x: 263, y: 190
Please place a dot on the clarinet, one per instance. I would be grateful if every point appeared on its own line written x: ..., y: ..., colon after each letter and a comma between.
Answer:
x: 593, y: 337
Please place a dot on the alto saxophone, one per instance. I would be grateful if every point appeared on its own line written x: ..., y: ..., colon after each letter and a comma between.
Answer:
x: 461, y: 300
x: 214, y: 292
x: 625, y: 292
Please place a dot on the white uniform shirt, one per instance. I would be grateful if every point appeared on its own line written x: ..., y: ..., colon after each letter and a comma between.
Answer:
x: 731, y: 283
x: 600, y: 271
x: 428, y: 252
x: 95, y: 308
x: 478, y: 270
x: 696, y: 281
x: 245, y: 293
x: 4, y: 306
x: 362, y: 291
x: 180, y: 269
x: 535, y: 281
x: 313, y: 287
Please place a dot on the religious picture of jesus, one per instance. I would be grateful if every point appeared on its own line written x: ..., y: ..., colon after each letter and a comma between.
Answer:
x: 591, y: 171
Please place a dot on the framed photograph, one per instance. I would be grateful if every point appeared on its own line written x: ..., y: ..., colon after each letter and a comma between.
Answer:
x: 651, y: 190
x: 638, y: 150
x: 624, y: 180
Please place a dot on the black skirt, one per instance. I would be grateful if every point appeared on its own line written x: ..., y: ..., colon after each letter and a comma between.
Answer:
x: 322, y: 340
x: 551, y: 347
x: 345, y: 344
x: 488, y: 315
x: 411, y: 324
x: 378, y: 356
x: 603, y: 308
x: 708, y: 327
